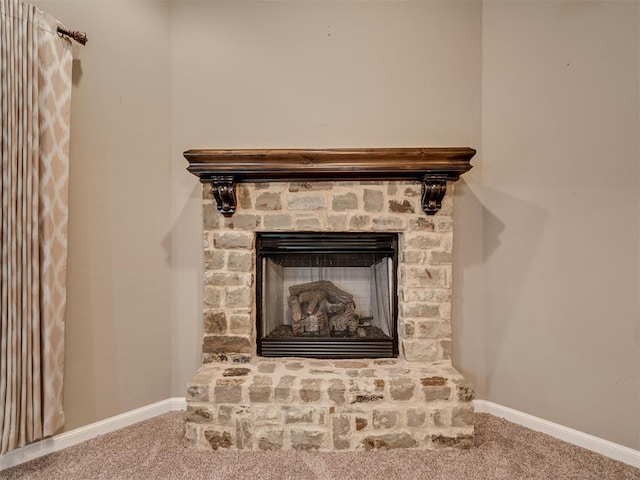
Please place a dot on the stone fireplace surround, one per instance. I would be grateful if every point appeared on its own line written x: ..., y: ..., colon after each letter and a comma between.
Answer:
x: 418, y: 400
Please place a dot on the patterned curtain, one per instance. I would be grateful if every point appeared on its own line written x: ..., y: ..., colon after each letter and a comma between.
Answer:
x: 35, y: 80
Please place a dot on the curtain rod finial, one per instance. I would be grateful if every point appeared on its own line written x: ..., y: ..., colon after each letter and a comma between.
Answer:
x: 80, y: 37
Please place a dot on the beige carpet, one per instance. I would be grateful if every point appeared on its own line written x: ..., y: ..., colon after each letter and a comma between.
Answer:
x: 154, y: 450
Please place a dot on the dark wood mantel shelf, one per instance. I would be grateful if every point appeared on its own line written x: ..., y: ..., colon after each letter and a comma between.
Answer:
x: 431, y: 166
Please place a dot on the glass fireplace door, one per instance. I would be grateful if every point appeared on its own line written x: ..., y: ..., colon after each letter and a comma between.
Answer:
x: 326, y: 295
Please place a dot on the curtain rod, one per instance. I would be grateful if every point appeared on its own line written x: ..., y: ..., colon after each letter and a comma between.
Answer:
x: 80, y: 37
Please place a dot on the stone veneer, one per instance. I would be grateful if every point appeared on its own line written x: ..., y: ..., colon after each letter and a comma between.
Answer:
x: 239, y: 400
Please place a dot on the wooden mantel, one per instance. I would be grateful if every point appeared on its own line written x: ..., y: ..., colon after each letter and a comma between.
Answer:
x: 431, y: 166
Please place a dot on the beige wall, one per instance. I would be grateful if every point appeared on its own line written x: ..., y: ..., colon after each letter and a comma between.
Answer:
x: 560, y: 195
x: 546, y: 282
x: 118, y: 351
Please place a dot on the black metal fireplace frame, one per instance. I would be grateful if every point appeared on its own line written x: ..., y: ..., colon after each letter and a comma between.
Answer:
x: 294, y: 243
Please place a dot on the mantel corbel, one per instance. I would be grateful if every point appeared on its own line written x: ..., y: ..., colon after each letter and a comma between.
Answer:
x: 434, y: 188
x: 434, y: 167
x: 224, y: 192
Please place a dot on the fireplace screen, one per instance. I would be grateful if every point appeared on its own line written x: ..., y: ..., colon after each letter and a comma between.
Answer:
x: 327, y: 295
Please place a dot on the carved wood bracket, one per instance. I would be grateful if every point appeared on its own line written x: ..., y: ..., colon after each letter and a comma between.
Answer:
x: 434, y: 187
x: 224, y: 191
x: 432, y: 166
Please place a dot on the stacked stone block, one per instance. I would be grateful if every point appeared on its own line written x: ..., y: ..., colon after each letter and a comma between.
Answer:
x: 306, y: 404
x: 238, y: 400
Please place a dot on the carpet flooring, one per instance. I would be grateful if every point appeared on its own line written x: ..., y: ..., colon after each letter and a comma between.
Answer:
x: 154, y: 449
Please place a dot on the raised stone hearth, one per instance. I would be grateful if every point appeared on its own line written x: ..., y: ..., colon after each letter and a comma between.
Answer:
x: 239, y: 400
x: 329, y: 405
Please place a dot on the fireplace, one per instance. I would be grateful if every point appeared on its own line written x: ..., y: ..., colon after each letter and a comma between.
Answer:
x: 327, y: 301
x: 326, y: 295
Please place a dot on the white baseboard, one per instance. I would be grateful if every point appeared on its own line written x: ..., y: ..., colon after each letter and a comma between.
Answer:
x: 569, y: 435
x: 79, y: 435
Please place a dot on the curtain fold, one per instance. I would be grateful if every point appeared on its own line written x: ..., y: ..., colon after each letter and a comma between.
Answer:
x: 35, y: 80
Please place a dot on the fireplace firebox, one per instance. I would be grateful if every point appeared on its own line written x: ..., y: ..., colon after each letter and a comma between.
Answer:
x: 326, y: 295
